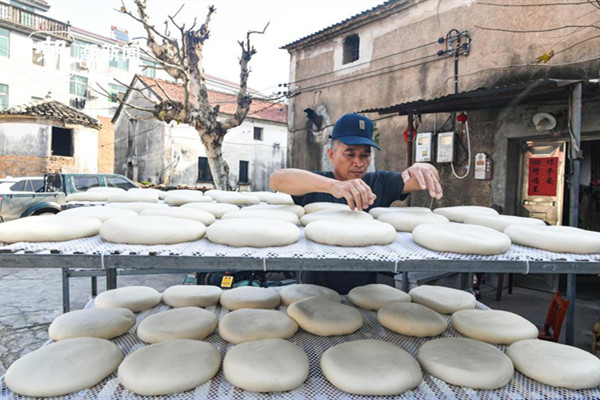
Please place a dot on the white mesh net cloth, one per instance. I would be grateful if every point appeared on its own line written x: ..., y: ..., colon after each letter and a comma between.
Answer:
x: 316, y: 386
x: 402, y: 249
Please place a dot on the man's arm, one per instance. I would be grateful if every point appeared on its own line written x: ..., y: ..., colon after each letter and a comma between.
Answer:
x: 298, y: 182
x: 422, y: 176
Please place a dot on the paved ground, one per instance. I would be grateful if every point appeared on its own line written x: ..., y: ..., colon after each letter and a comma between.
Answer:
x: 31, y: 298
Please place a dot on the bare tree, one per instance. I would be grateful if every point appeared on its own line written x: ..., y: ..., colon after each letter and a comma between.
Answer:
x: 182, y: 59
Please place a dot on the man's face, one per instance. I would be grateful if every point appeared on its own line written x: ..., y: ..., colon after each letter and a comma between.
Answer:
x: 349, y: 161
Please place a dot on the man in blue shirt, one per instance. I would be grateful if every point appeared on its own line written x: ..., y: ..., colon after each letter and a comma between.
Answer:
x: 349, y: 183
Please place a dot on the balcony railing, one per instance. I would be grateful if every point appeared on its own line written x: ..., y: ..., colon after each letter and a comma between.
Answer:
x: 28, y: 22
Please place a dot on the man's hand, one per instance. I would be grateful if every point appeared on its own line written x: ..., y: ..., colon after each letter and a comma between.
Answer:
x: 356, y: 192
x: 422, y: 176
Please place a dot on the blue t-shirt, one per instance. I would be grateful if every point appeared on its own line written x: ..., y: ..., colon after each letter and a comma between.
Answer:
x: 386, y: 185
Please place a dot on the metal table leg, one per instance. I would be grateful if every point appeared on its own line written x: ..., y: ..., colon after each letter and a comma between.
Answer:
x: 571, y: 290
x: 111, y: 278
x: 66, y: 290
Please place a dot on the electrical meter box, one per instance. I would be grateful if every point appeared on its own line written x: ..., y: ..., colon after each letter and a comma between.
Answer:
x: 445, y: 147
x: 483, y: 166
x: 423, y: 148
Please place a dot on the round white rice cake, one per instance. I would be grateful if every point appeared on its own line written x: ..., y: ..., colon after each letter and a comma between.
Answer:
x: 236, y: 198
x: 137, y: 206
x: 216, y: 209
x: 336, y: 215
x: 324, y: 317
x: 109, y: 189
x: 130, y: 197
x: 375, y: 295
x: 407, y: 221
x: 160, y: 193
x: 296, y: 209
x: 411, y: 319
x: 192, y: 295
x: 63, y: 367
x: 493, y: 326
x: 377, y: 212
x: 499, y: 222
x: 350, y: 233
x: 134, y: 298
x: 298, y: 291
x: 183, y: 196
x: 103, y: 323
x: 324, y: 205
x: 96, y: 195
x: 169, y: 367
x: 151, y: 229
x: 273, y: 198
x: 461, y: 238
x: 178, y: 323
x: 249, y: 297
x: 459, y: 213
x: 253, y: 324
x: 48, y: 228
x: 371, y: 368
x: 466, y: 362
x: 101, y: 213
x: 185, y: 213
x: 280, y: 215
x: 442, y: 299
x: 253, y: 232
x: 267, y: 365
x: 555, y: 364
x: 559, y: 239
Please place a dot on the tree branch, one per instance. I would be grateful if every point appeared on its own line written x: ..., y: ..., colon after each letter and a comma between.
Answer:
x: 243, y: 99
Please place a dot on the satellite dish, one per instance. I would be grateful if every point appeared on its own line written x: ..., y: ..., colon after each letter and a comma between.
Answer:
x: 543, y: 122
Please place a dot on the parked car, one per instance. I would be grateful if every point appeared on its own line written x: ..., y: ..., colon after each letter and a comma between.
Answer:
x: 53, y: 193
x: 22, y: 184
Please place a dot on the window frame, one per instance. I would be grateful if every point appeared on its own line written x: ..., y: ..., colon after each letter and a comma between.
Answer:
x: 75, y: 83
x: 5, y: 38
x: 246, y: 170
x: 260, y: 131
x: 203, y: 170
x: 351, y: 51
x: 3, y: 95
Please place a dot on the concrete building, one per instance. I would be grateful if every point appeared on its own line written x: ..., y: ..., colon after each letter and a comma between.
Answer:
x: 47, y: 136
x: 148, y: 149
x: 411, y: 50
x: 414, y: 65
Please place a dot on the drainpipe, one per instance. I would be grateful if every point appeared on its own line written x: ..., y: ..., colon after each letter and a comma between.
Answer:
x: 576, y: 90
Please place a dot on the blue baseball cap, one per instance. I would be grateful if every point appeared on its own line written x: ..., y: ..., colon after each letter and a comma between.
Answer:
x: 353, y: 129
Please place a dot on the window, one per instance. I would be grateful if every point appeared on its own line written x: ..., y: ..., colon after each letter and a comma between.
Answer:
x: 3, y: 96
x: 204, y: 174
x: 78, y: 85
x: 37, y: 55
x: 119, y: 61
x: 115, y: 181
x: 28, y: 185
x: 258, y: 133
x: 62, y: 142
x: 243, y: 172
x: 3, y: 42
x: 149, y: 72
x: 79, y: 49
x: 116, y: 92
x: 351, y: 48
x: 83, y: 183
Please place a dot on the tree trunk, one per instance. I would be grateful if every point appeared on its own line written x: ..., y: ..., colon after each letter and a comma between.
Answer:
x: 219, y: 168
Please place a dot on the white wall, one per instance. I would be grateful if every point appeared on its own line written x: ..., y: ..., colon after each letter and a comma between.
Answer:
x: 183, y: 147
